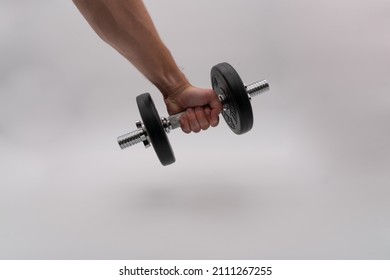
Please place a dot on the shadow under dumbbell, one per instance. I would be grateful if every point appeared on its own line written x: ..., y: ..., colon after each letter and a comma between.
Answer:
x: 190, y: 200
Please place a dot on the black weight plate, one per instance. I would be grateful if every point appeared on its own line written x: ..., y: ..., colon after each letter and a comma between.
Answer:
x: 154, y: 129
x: 238, y: 112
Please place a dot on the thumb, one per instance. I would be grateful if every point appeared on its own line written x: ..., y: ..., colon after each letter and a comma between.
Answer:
x: 215, y: 106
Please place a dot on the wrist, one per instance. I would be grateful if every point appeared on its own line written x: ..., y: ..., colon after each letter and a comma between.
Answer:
x: 171, y: 84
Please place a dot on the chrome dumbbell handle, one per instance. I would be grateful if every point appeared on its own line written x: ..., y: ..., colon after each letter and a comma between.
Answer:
x: 173, y: 121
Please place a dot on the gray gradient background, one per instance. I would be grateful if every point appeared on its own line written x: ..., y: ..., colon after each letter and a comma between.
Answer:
x: 310, y: 181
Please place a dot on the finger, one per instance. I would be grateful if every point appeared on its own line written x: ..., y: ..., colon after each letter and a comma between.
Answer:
x: 215, y: 103
x: 214, y: 117
x: 207, y: 112
x: 185, y: 126
x: 216, y: 108
x: 194, y: 125
x: 202, y: 119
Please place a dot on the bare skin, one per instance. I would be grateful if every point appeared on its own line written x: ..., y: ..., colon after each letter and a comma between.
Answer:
x: 127, y: 26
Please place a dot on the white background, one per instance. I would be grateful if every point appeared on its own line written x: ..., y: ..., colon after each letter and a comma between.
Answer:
x: 310, y: 181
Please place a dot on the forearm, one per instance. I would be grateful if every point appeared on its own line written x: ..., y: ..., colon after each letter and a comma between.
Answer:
x: 127, y: 27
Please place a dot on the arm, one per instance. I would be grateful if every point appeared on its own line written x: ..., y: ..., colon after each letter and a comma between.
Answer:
x: 127, y: 27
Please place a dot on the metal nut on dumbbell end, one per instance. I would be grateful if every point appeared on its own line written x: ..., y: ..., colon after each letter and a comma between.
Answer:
x: 237, y: 112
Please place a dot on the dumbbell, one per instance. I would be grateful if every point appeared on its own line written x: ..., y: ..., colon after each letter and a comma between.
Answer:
x: 237, y: 112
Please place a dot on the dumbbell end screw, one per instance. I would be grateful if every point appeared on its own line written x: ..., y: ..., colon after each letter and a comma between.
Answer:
x: 257, y: 88
x: 130, y: 139
x: 134, y: 137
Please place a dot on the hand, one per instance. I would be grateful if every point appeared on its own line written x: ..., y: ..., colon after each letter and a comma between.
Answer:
x: 202, y: 108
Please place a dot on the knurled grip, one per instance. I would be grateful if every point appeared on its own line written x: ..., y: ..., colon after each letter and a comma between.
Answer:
x: 174, y: 120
